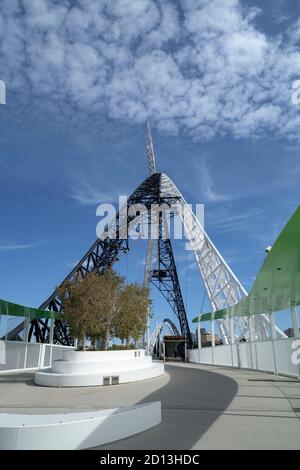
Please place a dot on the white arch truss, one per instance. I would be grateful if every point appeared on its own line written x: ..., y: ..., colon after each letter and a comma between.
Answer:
x: 156, y: 333
x: 222, y: 286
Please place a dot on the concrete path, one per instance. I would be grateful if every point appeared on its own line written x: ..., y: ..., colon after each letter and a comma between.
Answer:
x: 222, y: 408
x: 203, y: 407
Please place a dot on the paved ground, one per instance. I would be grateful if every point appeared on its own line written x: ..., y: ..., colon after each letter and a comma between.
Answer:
x: 203, y: 407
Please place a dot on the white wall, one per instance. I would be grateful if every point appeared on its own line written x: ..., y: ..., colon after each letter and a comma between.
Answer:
x: 225, y: 354
x: 103, y: 356
x: 206, y: 355
x: 71, y: 431
x: 93, y: 368
x: 19, y: 355
x: 284, y: 365
x: 271, y: 356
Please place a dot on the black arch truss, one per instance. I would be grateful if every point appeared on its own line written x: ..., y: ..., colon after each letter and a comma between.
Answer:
x: 105, y: 253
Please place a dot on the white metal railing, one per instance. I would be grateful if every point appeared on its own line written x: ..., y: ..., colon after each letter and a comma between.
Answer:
x: 19, y: 355
x: 278, y: 356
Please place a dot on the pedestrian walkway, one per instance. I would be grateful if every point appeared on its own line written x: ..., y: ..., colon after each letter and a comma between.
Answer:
x: 221, y: 408
x: 203, y: 407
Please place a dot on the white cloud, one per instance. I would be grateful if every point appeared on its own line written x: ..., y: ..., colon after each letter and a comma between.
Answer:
x: 15, y: 246
x: 199, y: 66
x: 87, y: 193
x: 207, y: 185
x: 242, y: 222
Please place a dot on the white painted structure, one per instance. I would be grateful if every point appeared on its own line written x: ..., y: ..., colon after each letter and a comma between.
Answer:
x: 90, y: 368
x: 18, y: 355
x: 223, y: 289
x: 271, y: 355
x: 154, y: 338
x: 71, y: 431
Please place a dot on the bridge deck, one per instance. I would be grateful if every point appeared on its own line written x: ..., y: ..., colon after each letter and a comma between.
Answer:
x: 204, y: 407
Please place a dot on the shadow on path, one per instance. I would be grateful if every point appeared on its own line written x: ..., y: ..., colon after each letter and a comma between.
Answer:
x: 191, y: 402
x: 25, y: 378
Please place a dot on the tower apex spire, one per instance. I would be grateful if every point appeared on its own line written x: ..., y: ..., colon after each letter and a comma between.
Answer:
x: 150, y: 151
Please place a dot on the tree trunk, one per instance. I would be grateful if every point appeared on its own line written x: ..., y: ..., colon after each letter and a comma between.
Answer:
x: 106, y: 340
x: 83, y: 343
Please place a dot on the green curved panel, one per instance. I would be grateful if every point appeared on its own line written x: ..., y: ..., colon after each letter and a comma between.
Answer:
x: 277, y: 285
x: 16, y: 310
x: 207, y: 316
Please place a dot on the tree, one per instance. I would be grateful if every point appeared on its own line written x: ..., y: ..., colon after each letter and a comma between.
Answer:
x: 108, y: 310
x: 90, y: 305
x: 102, y: 306
x: 133, y: 311
x: 78, y: 306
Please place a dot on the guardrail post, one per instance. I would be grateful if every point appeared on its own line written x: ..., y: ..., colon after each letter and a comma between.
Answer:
x: 250, y: 340
x: 26, y: 331
x: 51, y: 338
x: 232, y: 339
x: 273, y: 336
x: 199, y: 339
x: 295, y: 321
x: 295, y: 326
x: 212, y: 322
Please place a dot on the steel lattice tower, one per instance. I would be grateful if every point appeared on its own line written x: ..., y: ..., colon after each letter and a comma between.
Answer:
x: 222, y: 286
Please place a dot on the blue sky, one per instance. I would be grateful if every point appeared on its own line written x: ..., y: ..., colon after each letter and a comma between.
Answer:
x: 215, y: 79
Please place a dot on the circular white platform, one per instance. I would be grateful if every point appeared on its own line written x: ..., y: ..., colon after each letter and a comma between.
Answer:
x: 90, y: 368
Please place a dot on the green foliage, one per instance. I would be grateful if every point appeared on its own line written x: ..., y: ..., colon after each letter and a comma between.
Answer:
x: 102, y: 306
x: 79, y: 312
x: 107, y: 309
x: 132, y: 318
